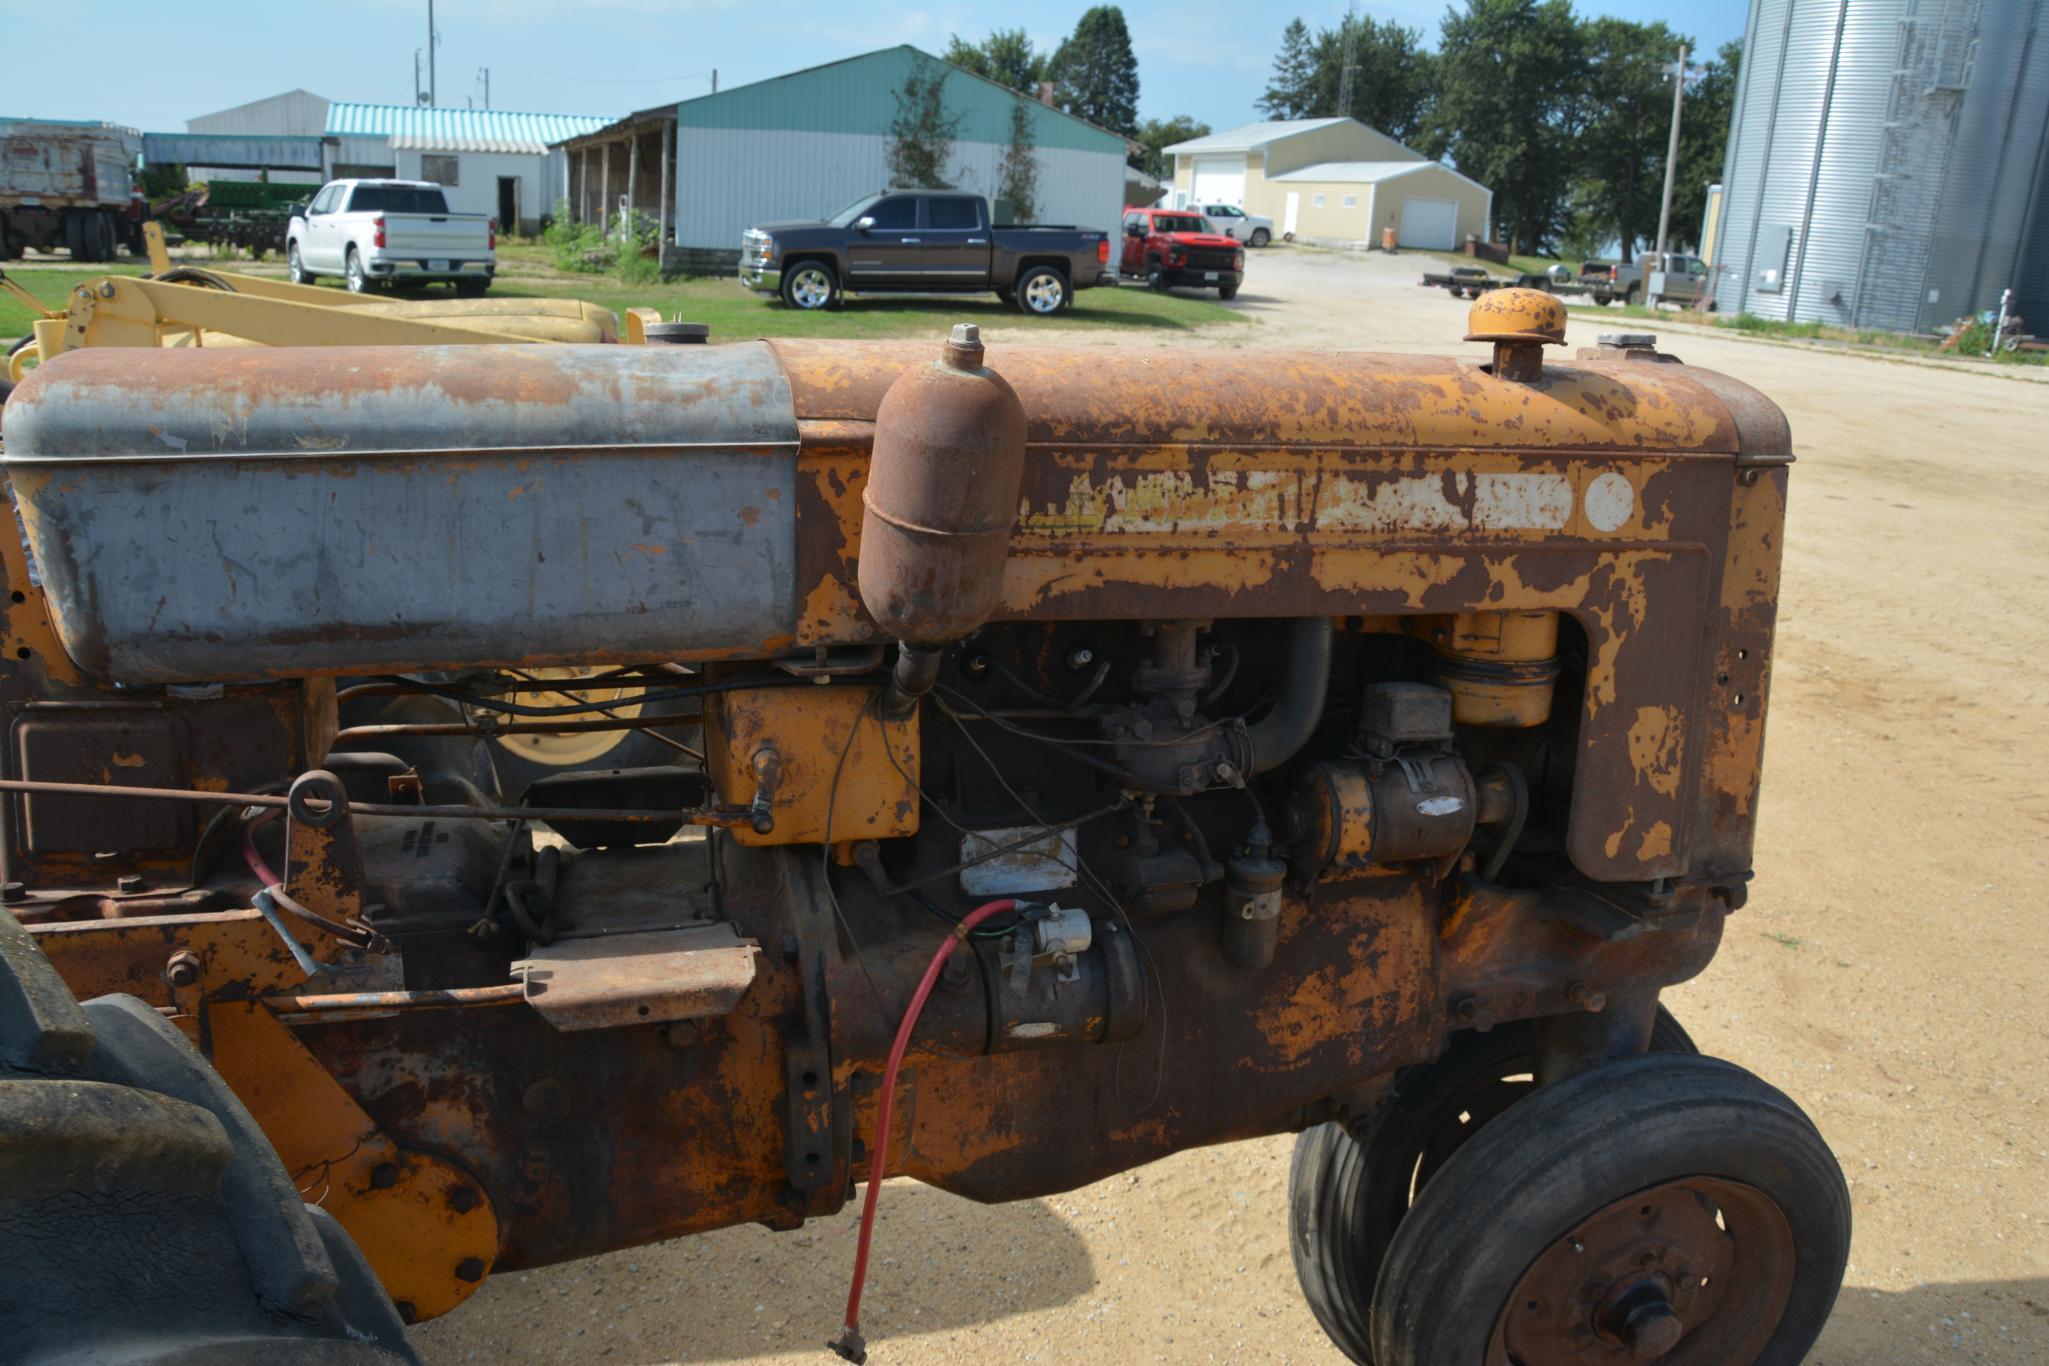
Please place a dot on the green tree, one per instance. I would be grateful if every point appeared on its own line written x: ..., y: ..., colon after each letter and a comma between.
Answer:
x: 1096, y: 71
x: 1622, y: 127
x: 1017, y: 177
x: 1005, y: 57
x: 1156, y: 135
x: 1508, y: 76
x: 921, y: 133
x: 1290, y: 94
x: 1393, y: 77
x: 1704, y: 139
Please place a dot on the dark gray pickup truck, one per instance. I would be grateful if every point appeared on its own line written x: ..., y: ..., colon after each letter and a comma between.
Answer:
x: 922, y: 242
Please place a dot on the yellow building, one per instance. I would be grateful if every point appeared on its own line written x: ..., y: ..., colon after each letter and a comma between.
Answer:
x: 1332, y: 180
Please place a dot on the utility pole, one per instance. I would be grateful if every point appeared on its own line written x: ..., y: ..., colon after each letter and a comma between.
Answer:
x: 419, y: 95
x: 1344, y: 109
x: 485, y: 72
x: 431, y: 92
x: 1672, y: 148
x: 714, y: 80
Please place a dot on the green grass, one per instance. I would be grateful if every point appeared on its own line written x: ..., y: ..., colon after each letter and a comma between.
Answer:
x: 734, y: 314
x: 1518, y: 264
x: 1774, y: 327
x: 1751, y: 325
x: 1790, y: 941
x: 51, y: 286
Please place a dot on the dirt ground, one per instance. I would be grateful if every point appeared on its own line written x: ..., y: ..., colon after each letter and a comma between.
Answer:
x: 1889, y: 972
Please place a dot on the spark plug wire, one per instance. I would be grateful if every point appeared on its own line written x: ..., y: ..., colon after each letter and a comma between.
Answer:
x: 849, y: 1344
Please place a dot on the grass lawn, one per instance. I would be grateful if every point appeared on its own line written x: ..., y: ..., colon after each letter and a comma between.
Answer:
x: 1750, y: 324
x: 1517, y: 264
x: 51, y: 286
x: 734, y: 314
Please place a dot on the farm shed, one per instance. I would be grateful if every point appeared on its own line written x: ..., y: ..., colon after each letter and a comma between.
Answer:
x: 1332, y: 180
x: 807, y: 144
x: 492, y: 161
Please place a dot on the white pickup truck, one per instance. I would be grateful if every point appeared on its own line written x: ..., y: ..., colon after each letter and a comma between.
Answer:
x: 374, y: 232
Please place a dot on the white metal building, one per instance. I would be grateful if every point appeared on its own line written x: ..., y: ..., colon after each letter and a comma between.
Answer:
x: 492, y: 161
x: 807, y: 144
x: 294, y: 114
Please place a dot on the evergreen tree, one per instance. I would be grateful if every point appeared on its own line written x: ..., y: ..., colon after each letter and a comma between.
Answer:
x: 1097, y: 73
x: 921, y: 134
x: 1291, y: 92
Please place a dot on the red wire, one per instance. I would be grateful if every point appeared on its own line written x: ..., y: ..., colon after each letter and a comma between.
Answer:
x: 851, y: 1335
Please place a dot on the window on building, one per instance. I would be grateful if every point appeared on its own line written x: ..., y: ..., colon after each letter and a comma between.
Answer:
x: 897, y: 213
x: 952, y: 215
x: 1351, y: 201
x: 442, y: 170
x: 1316, y: 201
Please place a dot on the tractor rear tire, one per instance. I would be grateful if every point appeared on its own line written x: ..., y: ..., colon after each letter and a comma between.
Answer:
x: 1349, y: 1189
x: 143, y: 1215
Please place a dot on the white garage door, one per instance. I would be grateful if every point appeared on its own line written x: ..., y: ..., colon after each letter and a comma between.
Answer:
x: 1219, y: 180
x: 1430, y: 223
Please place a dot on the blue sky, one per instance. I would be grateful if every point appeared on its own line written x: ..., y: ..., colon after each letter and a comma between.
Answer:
x: 153, y: 65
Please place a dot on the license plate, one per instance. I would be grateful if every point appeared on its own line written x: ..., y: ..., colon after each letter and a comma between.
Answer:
x: 1209, y: 275
x: 443, y: 265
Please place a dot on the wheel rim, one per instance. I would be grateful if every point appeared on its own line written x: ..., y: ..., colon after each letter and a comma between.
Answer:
x: 564, y: 751
x: 355, y: 274
x: 1042, y: 293
x: 298, y: 271
x: 810, y: 289
x: 1697, y: 1270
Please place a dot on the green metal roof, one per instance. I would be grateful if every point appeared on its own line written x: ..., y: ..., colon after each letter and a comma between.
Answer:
x: 858, y: 95
x: 457, y: 130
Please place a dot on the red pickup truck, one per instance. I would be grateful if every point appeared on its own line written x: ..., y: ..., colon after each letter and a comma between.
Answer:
x: 1171, y: 247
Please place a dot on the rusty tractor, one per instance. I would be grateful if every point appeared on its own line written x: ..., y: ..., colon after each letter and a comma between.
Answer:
x: 1068, y: 771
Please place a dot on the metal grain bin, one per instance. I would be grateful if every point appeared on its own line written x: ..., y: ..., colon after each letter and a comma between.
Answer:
x: 1883, y: 160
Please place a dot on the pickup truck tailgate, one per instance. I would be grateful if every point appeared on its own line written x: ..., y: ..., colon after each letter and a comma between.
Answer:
x: 436, y: 235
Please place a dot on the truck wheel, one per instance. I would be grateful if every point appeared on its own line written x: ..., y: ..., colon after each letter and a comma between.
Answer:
x: 1156, y: 275
x: 1043, y: 291
x: 359, y: 278
x: 297, y: 267
x: 1652, y: 1206
x: 1227, y: 292
x: 143, y: 1216
x: 105, y: 241
x: 1632, y: 296
x: 1350, y: 1189
x: 1260, y: 237
x: 1007, y: 297
x: 472, y: 289
x: 811, y: 285
x: 76, y: 239
x: 1604, y: 299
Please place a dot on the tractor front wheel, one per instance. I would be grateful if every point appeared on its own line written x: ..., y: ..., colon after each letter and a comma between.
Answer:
x: 1663, y: 1207
x: 1349, y: 1189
